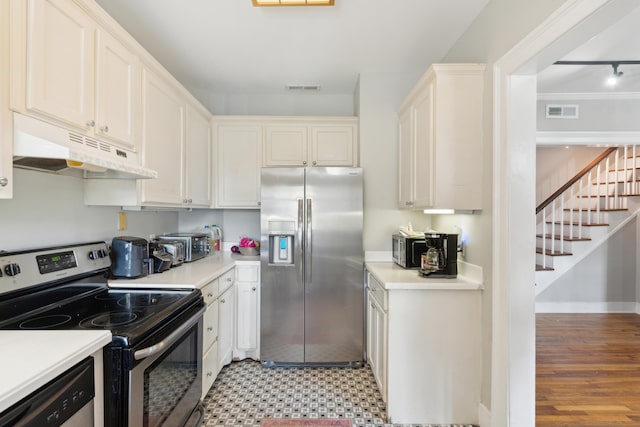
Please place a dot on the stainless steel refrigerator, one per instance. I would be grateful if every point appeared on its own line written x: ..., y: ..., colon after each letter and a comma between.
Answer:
x: 312, y: 291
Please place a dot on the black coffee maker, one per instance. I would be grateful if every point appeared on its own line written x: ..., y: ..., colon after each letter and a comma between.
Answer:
x: 441, y: 257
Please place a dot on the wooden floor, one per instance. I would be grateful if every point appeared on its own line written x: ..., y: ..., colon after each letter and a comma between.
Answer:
x: 588, y: 370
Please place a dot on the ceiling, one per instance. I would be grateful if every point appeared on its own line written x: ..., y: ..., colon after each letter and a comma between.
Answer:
x: 229, y: 46
x: 619, y: 42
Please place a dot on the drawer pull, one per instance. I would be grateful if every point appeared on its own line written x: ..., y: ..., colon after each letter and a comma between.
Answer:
x: 209, y: 295
x: 209, y: 374
x: 210, y: 328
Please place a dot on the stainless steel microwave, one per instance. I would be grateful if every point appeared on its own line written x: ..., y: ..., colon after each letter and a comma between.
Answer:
x: 196, y: 245
x: 407, y: 251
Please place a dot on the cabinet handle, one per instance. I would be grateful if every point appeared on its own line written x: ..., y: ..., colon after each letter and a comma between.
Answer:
x: 209, y: 374
x: 210, y: 328
x: 222, y: 301
x: 91, y: 123
x: 104, y: 129
x: 209, y: 295
x: 4, y: 181
x: 259, y: 203
x: 408, y: 203
x: 315, y: 163
x: 253, y: 289
x: 190, y: 200
x: 304, y: 162
x: 229, y: 279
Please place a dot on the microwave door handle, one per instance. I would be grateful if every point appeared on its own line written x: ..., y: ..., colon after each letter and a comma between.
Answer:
x: 168, y: 341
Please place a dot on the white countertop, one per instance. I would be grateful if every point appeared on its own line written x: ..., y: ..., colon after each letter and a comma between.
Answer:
x: 194, y: 274
x: 394, y: 277
x: 30, y: 359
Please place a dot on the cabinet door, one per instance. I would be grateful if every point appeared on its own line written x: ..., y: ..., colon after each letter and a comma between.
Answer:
x: 381, y: 349
x: 210, y: 369
x: 210, y: 325
x: 246, y: 317
x: 239, y: 161
x: 405, y: 159
x: 6, y: 137
x: 162, y: 140
x: 60, y: 48
x: 198, y: 159
x: 372, y: 344
x: 117, y: 90
x: 225, y: 326
x: 423, y: 159
x: 285, y: 145
x: 333, y: 146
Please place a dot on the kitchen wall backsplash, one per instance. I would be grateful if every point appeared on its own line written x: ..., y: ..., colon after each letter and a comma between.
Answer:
x: 49, y: 209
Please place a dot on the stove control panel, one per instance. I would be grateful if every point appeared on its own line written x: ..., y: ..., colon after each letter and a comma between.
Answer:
x: 19, y: 270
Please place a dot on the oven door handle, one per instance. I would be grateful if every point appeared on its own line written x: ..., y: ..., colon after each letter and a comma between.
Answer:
x: 169, y: 340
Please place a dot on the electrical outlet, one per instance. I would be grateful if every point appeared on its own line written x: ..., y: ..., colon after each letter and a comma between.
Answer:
x: 122, y: 221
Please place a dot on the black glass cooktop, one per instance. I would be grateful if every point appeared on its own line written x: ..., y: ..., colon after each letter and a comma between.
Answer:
x: 127, y: 313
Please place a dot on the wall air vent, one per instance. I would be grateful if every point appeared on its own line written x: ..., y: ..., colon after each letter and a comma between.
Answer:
x: 564, y: 111
x: 303, y: 88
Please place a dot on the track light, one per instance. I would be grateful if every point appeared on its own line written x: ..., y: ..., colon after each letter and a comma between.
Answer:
x: 615, y: 77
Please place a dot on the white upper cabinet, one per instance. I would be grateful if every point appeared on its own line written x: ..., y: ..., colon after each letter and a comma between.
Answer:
x: 310, y: 142
x: 117, y: 90
x: 162, y: 140
x: 285, y: 145
x: 333, y: 145
x: 6, y: 137
x: 60, y: 62
x: 238, y: 154
x: 197, y: 191
x: 440, y: 140
x: 67, y: 69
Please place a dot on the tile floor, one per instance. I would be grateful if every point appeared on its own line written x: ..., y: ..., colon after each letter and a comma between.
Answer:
x: 245, y: 392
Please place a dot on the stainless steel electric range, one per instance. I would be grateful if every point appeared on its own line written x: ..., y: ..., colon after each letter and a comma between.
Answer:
x: 153, y: 366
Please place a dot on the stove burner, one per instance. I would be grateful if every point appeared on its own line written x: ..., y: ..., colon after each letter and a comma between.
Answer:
x: 147, y: 300
x: 45, y: 322
x: 109, y: 319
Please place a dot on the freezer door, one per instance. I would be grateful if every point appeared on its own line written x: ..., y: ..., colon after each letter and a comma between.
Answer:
x: 281, y: 262
x: 334, y: 308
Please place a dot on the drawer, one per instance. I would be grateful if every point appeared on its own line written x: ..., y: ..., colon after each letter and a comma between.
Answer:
x: 377, y: 291
x: 210, y: 326
x: 209, y: 369
x: 210, y: 291
x: 227, y: 279
x: 248, y: 273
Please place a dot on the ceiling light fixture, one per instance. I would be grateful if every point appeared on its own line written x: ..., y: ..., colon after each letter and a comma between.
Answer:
x: 614, y: 78
x: 293, y: 2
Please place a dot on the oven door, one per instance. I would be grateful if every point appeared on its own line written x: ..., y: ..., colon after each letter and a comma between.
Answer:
x: 166, y: 382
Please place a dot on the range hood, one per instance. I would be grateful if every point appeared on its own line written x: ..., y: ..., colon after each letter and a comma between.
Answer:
x: 39, y: 145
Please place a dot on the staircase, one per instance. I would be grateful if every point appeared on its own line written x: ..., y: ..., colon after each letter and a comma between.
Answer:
x: 584, y: 212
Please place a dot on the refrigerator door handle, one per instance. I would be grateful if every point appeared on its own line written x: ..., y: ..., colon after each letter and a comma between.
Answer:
x: 309, y: 243
x: 299, y: 238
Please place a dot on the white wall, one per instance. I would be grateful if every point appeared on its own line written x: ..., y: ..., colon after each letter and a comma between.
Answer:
x: 556, y: 165
x: 607, y: 275
x: 620, y: 115
x: 500, y: 25
x: 284, y: 104
x: 235, y: 223
x: 49, y: 209
x: 379, y: 96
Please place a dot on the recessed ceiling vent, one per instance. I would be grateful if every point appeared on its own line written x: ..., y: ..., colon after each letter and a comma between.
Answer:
x: 566, y: 111
x: 303, y: 88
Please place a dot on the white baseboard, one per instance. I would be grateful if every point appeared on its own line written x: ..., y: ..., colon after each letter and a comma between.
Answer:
x: 587, y: 307
x: 484, y: 416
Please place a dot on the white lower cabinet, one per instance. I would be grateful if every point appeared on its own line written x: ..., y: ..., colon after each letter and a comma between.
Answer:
x: 247, y: 312
x: 226, y: 326
x: 424, y: 349
x: 210, y: 367
x: 377, y: 334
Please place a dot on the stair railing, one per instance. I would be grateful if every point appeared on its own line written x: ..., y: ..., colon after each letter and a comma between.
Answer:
x: 574, y: 189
